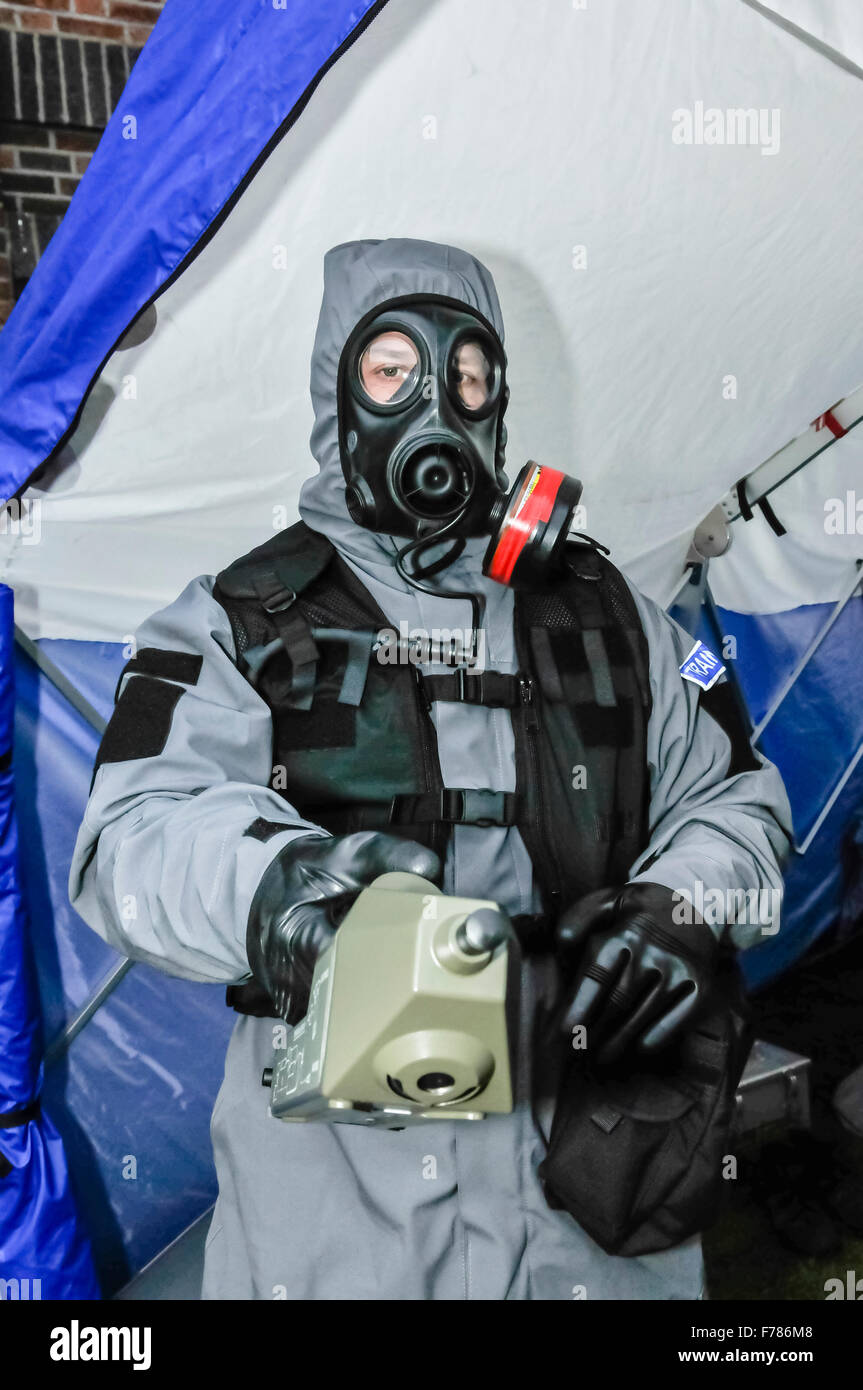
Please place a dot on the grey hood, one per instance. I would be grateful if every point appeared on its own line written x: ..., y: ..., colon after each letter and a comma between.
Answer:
x: 359, y: 276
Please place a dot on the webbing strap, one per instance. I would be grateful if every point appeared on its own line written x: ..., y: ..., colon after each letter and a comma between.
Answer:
x: 457, y: 806
x: 294, y: 634
x: 356, y: 671
x: 546, y: 666
x: 359, y: 644
x: 591, y: 613
x: 493, y: 689
x: 10, y: 1118
x: 450, y: 806
x: 770, y: 517
x: 600, y: 669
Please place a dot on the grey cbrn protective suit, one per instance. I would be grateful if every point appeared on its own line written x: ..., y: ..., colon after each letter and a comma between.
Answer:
x: 443, y: 1211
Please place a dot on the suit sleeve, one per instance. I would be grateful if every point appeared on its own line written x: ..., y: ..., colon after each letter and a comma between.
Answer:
x: 718, y: 834
x: 181, y: 822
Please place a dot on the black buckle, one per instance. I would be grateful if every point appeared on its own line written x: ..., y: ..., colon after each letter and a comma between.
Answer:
x: 481, y: 807
x: 280, y: 601
x: 475, y: 689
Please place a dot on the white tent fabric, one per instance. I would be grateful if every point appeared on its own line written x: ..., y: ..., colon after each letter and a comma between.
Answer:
x: 836, y: 23
x: 675, y: 312
x: 816, y: 560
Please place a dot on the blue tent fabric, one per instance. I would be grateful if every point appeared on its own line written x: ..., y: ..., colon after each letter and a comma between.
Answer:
x: 54, y: 753
x: 816, y: 714
x: 133, y: 1092
x: 44, y: 1252
x: 212, y: 87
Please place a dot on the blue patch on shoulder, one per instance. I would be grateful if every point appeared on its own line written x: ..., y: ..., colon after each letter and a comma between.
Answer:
x: 702, y: 667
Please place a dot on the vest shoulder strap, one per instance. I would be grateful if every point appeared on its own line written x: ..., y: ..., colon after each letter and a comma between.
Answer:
x: 618, y: 609
x: 294, y: 558
x: 593, y: 605
x: 259, y: 593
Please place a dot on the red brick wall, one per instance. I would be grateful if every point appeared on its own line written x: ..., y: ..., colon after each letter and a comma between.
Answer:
x: 121, y: 21
x: 63, y: 65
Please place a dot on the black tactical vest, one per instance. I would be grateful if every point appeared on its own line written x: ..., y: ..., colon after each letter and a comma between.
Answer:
x: 354, y: 745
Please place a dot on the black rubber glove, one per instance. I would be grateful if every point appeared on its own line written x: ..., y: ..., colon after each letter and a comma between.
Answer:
x: 303, y: 896
x: 638, y: 975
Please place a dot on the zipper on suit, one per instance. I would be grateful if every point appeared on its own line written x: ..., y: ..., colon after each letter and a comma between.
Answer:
x: 535, y: 835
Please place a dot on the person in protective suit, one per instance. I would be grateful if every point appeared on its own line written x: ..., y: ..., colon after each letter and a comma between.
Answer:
x: 267, y: 758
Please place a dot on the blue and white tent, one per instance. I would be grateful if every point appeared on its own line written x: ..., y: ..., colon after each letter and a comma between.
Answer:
x: 669, y: 195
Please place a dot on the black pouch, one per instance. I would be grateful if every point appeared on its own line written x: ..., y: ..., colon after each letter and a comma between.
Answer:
x: 636, y: 1156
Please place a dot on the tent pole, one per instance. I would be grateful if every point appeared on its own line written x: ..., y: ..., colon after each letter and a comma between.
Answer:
x: 80, y: 703
x: 60, y: 681
x: 830, y: 802
x: 807, y: 656
x: 64, y: 1040
x: 811, y: 40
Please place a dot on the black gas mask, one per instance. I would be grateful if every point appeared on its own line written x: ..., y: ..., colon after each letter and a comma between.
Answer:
x: 422, y: 394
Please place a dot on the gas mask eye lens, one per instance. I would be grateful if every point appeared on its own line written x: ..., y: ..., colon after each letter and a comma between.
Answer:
x: 389, y: 368
x: 471, y: 373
